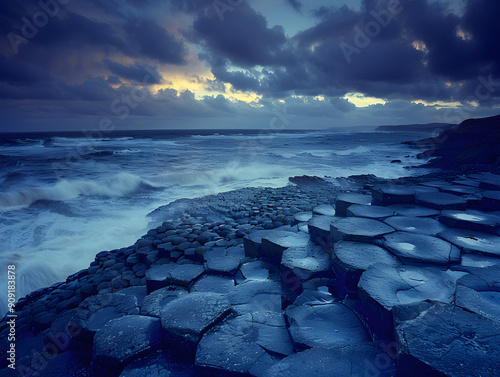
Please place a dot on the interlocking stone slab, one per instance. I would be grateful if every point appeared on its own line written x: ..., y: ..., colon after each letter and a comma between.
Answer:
x: 422, y: 225
x: 222, y: 261
x: 473, y: 200
x: 448, y: 341
x: 185, y: 320
x: 243, y: 344
x: 324, y: 210
x: 259, y: 270
x: 435, y: 184
x: 253, y: 241
x: 257, y: 295
x: 387, y: 195
x: 154, y: 302
x: 482, y: 301
x: 472, y: 241
x: 302, y: 217
x: 313, y: 297
x: 460, y: 190
x: 213, y: 283
x: 491, y: 200
x: 478, y: 277
x: 413, y: 210
x: 325, y: 325
x: 466, y: 182
x: 358, y: 229
x: 421, y: 248
x: 470, y: 219
x: 319, y: 230
x: 344, y: 201
x: 369, y: 211
x: 125, y: 339
x: 478, y: 260
x: 487, y: 181
x: 360, y: 360
x: 300, y: 264
x: 303, y: 227
x: 441, y: 201
x: 157, y: 364
x: 140, y: 292
x: 172, y: 273
x: 314, y: 362
x: 93, y: 313
x: 383, y: 287
x: 274, y: 244
x: 351, y: 259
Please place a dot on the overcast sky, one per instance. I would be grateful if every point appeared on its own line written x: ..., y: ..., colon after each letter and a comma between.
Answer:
x: 131, y: 64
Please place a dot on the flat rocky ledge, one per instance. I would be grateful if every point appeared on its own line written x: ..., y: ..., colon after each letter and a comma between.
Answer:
x: 305, y: 280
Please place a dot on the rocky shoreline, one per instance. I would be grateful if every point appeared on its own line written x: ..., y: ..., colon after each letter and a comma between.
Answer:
x: 336, y: 277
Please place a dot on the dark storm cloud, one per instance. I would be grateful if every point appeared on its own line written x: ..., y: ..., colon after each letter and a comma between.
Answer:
x: 94, y: 89
x: 295, y: 4
x: 384, y: 60
x: 75, y: 30
x: 243, y: 37
x: 150, y: 39
x: 12, y: 71
x: 132, y: 36
x: 74, y: 64
x: 140, y: 73
x: 481, y: 20
x: 192, y: 6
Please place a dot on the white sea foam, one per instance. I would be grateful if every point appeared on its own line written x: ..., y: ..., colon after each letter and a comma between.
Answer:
x: 118, y: 185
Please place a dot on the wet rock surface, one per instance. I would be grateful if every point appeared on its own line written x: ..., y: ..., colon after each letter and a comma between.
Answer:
x: 185, y: 320
x: 281, y: 282
x: 358, y: 229
x: 125, y: 339
x: 420, y: 248
x: 446, y: 340
x: 244, y: 344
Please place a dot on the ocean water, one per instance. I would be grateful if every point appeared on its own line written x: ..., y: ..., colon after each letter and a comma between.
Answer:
x: 66, y: 196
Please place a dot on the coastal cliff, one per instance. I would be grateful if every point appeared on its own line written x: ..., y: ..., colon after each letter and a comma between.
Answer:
x: 472, y: 145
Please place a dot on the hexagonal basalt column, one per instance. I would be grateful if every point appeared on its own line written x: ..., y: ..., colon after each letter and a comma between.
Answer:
x: 420, y: 248
x: 441, y: 201
x: 185, y: 320
x: 124, y: 339
x: 344, y: 201
x: 358, y: 230
x: 470, y: 219
x: 351, y: 259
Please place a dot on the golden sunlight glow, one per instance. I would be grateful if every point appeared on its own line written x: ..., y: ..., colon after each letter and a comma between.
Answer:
x: 247, y: 97
x: 198, y: 86
x: 420, y: 46
x: 313, y: 46
x: 360, y: 100
x: 466, y: 36
x: 439, y: 104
